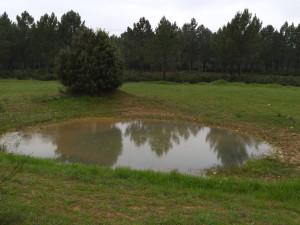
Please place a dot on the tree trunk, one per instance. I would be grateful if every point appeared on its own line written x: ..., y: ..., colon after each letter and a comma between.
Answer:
x: 191, y: 65
x: 297, y: 64
x: 239, y: 69
x: 204, y: 66
x: 164, y: 67
x: 164, y: 74
x: 230, y: 69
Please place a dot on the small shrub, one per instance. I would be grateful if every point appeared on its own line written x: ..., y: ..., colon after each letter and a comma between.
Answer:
x: 91, y: 65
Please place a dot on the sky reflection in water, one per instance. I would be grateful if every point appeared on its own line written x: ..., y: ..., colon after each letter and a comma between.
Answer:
x: 156, y: 145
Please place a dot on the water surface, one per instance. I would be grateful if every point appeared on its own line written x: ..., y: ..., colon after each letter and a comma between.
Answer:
x: 141, y: 144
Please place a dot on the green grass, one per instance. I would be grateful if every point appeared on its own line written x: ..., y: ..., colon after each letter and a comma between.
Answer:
x: 47, y: 192
x: 24, y: 103
x: 29, y: 102
x: 263, y: 105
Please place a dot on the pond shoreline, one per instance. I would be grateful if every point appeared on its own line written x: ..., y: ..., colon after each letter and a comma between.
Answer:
x: 151, y: 144
x: 285, y: 143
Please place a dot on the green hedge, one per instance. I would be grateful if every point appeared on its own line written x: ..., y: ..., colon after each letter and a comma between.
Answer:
x: 180, y: 77
x: 197, y: 77
x: 28, y: 74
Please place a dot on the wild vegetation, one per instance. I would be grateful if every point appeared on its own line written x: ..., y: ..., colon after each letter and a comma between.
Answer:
x: 242, y: 46
x: 262, y: 192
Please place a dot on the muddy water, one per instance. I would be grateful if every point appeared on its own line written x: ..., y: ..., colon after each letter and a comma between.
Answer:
x: 154, y: 145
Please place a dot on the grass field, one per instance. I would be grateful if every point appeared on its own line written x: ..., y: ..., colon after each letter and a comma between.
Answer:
x: 263, y: 105
x: 262, y: 192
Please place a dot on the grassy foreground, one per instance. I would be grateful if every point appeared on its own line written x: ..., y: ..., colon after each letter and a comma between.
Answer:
x: 46, y: 192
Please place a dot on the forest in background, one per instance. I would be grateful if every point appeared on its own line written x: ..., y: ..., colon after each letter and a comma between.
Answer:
x: 28, y: 48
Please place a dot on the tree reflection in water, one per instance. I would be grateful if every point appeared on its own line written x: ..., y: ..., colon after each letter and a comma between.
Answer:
x: 128, y: 144
x: 160, y: 135
x: 98, y: 143
x: 230, y: 148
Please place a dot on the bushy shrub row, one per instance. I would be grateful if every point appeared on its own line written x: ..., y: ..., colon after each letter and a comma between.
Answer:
x: 28, y: 74
x: 179, y: 77
x: 197, y: 77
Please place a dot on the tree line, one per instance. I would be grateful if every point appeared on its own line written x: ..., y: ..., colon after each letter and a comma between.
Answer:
x: 240, y: 46
x: 26, y: 44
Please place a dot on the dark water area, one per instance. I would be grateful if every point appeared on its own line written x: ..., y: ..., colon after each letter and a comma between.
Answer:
x: 142, y: 144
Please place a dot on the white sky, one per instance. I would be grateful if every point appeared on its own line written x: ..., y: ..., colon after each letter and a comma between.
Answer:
x: 116, y: 15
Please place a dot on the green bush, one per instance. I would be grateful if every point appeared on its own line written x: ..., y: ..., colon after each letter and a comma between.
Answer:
x: 91, y: 65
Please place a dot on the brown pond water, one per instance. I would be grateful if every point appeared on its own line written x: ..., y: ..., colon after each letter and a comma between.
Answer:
x: 141, y: 144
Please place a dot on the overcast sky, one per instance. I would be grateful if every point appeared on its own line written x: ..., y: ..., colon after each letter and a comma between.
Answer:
x: 116, y: 15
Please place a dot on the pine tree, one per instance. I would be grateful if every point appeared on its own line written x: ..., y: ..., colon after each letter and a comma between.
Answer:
x: 166, y: 45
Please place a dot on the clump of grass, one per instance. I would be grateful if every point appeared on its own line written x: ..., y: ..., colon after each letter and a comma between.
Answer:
x: 238, y: 115
x: 46, y: 99
x: 219, y: 82
x: 9, y: 214
x: 287, y: 119
x: 2, y: 109
x: 2, y: 148
x: 267, y: 168
x: 8, y: 176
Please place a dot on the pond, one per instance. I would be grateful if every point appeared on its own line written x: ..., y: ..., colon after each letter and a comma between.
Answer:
x: 140, y: 144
